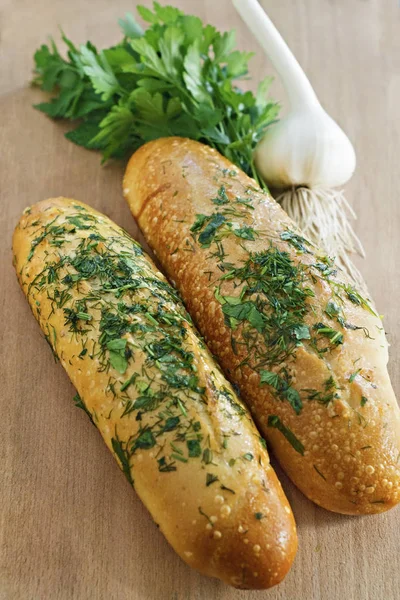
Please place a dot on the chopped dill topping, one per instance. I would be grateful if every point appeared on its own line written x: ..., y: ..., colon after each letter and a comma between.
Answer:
x: 118, y: 310
x: 275, y: 422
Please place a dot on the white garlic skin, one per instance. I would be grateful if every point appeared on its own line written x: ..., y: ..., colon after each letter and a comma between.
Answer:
x: 307, y: 148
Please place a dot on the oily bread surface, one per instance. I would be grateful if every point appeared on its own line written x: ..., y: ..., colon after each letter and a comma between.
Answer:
x: 243, y: 533
x: 351, y: 444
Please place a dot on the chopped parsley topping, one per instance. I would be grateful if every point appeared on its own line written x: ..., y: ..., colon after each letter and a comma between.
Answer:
x: 272, y: 313
x: 284, y: 391
x: 209, y: 231
x: 115, y: 307
x: 221, y: 198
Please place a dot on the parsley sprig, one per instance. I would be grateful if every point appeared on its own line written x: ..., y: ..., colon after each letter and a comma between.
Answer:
x: 176, y: 78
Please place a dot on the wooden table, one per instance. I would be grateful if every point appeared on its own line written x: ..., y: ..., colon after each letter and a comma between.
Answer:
x: 71, y: 528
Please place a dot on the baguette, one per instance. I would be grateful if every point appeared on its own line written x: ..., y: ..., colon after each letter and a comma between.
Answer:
x: 148, y: 383
x: 306, y: 350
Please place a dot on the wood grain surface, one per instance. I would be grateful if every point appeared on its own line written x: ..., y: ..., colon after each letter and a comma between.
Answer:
x: 71, y: 527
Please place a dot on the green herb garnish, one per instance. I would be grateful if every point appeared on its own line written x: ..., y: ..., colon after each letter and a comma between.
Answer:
x: 330, y: 392
x: 79, y: 403
x: 203, y: 514
x: 297, y: 241
x: 133, y: 312
x: 123, y: 456
x: 319, y: 472
x: 248, y: 456
x: 117, y: 350
x: 210, y: 478
x: 246, y: 233
x: 283, y: 389
x: 221, y: 198
x: 354, y: 375
x: 276, y: 423
x: 335, y: 337
x: 176, y: 78
x: 226, y: 489
x: 209, y: 231
x: 194, y: 448
x: 207, y: 456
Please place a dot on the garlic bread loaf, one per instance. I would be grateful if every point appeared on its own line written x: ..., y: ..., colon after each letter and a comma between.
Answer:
x: 307, y: 350
x: 174, y: 424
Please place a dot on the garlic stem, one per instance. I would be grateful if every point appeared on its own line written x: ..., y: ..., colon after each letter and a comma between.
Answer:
x: 295, y: 81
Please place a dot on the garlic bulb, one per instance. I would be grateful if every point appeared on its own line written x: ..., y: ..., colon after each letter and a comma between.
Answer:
x: 305, y: 148
x: 305, y: 155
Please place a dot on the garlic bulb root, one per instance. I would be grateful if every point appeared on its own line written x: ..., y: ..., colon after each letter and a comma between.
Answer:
x: 321, y: 214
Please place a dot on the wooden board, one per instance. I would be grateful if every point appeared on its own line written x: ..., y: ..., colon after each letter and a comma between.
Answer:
x: 71, y: 528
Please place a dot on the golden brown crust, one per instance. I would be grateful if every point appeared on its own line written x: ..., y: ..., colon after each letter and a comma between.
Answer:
x: 349, y: 423
x: 236, y: 525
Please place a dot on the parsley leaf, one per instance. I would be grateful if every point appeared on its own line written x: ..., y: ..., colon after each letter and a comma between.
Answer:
x: 245, y: 311
x: 270, y: 378
x: 145, y: 440
x: 199, y: 223
x: 130, y: 28
x: 301, y: 332
x: 100, y: 73
x: 194, y: 448
x: 176, y: 78
x: 246, y: 233
x: 208, y: 234
x: 117, y: 354
x: 85, y: 133
x: 222, y: 198
x: 283, y: 388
